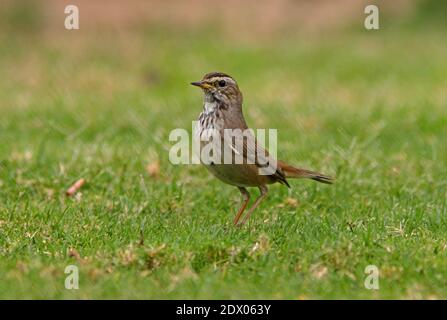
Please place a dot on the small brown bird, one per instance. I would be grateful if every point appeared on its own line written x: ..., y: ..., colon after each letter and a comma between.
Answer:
x: 222, y: 110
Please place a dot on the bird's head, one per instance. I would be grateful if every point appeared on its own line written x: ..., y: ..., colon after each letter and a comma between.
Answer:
x: 221, y: 87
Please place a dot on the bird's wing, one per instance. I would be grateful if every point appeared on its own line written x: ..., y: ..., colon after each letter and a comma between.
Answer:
x: 244, y: 148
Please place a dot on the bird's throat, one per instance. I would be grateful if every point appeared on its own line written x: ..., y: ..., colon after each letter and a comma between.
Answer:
x: 209, y: 106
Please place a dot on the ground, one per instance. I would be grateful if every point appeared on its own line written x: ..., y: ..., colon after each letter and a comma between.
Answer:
x: 368, y: 107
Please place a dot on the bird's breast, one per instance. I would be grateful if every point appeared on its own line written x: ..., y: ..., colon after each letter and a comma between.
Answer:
x: 209, y: 121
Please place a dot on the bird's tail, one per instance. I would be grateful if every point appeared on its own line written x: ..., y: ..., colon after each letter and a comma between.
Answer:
x: 292, y: 172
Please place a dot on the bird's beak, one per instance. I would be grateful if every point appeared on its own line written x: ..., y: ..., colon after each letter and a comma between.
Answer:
x: 201, y: 84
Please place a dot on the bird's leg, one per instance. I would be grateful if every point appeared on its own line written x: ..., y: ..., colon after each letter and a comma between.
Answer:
x: 263, y: 194
x: 246, y: 197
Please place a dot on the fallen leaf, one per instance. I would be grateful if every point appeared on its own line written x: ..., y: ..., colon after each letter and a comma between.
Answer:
x: 75, y: 187
x: 291, y: 202
x: 153, y: 169
x: 318, y: 271
x: 73, y: 253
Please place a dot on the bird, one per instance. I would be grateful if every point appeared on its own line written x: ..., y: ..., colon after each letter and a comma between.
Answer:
x: 222, y: 113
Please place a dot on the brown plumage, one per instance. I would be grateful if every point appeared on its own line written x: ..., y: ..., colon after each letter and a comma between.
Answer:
x: 292, y: 172
x: 222, y: 110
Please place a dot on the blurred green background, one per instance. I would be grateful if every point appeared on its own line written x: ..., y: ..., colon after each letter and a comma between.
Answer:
x: 98, y: 103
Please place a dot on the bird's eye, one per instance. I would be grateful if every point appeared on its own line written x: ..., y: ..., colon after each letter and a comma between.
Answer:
x: 222, y: 83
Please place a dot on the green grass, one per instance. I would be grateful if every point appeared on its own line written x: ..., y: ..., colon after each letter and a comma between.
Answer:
x: 367, y: 107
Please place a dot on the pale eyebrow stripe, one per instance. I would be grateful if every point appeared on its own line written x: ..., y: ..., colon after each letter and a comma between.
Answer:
x: 221, y: 78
